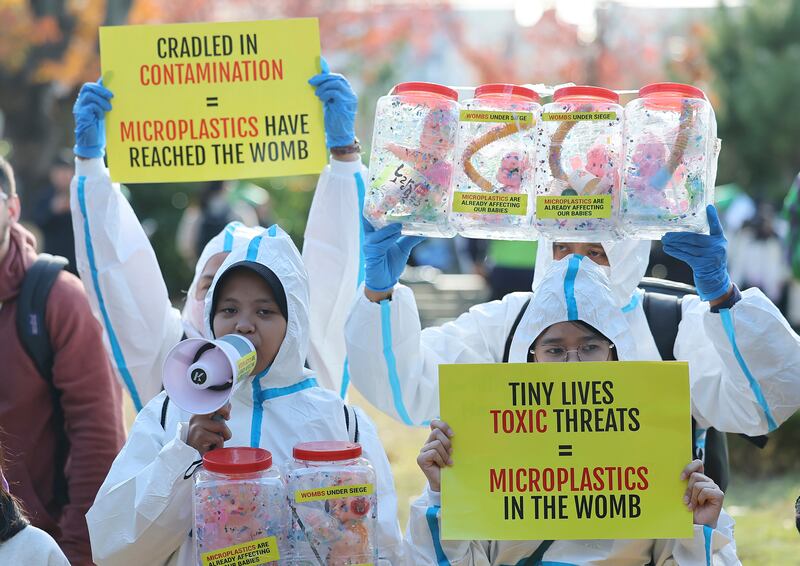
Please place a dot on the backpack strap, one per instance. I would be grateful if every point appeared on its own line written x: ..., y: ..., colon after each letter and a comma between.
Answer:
x: 35, y: 339
x: 663, y: 313
x: 31, y: 311
x: 510, y: 337
x: 164, y: 407
x: 351, y: 423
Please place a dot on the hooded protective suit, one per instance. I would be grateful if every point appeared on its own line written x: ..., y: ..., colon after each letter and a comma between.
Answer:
x: 744, y: 362
x: 143, y: 511
x: 127, y: 292
x: 574, y: 288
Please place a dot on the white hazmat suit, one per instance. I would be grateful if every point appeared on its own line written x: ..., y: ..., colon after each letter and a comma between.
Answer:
x: 744, y: 362
x: 143, y: 511
x: 128, y: 295
x: 574, y: 289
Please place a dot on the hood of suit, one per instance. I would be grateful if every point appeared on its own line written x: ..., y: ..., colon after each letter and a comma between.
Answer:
x: 274, y: 249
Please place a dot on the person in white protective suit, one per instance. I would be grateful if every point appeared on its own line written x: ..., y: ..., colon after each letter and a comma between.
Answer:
x: 744, y: 358
x: 123, y: 281
x: 575, y: 320
x: 143, y: 511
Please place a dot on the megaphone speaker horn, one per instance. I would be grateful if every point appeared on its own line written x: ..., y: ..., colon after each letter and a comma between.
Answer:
x: 201, y: 375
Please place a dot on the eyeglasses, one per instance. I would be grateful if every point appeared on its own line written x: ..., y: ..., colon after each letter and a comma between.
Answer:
x: 595, y: 351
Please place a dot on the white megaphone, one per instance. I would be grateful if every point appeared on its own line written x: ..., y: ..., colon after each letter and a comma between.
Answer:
x: 201, y: 375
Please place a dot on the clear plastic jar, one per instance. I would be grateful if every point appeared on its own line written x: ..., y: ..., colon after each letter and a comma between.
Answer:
x: 411, y: 163
x: 670, y: 161
x: 578, y: 165
x: 240, y: 507
x: 493, y: 182
x: 334, y: 505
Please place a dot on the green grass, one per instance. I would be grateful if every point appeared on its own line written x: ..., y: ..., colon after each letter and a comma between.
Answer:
x: 764, y: 512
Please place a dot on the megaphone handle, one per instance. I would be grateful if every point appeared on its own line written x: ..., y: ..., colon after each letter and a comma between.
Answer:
x: 219, y: 418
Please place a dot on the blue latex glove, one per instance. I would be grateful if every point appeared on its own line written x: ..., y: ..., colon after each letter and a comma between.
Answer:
x: 90, y: 111
x: 386, y: 253
x: 707, y: 255
x: 339, y: 104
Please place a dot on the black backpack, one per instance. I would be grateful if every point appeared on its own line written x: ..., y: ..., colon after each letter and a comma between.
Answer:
x: 662, y: 303
x: 35, y: 339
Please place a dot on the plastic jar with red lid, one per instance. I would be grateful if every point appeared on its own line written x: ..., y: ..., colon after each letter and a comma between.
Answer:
x: 334, y: 504
x: 578, y: 165
x: 240, y: 506
x: 411, y: 163
x: 495, y: 158
x: 671, y: 151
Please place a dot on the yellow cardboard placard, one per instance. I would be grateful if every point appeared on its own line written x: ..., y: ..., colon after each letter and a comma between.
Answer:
x: 578, y: 116
x: 502, y: 116
x: 199, y: 102
x: 333, y: 492
x: 573, y: 207
x: 491, y: 203
x: 259, y: 551
x: 566, y: 450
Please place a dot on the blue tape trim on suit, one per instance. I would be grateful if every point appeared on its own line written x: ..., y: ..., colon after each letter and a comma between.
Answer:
x: 227, y: 246
x: 569, y: 286
x: 727, y: 324
x: 258, y: 410
x: 707, y: 532
x: 634, y: 302
x: 116, y: 349
x: 433, y: 526
x: 345, y: 378
x: 273, y: 231
x: 361, y: 190
x: 391, y: 362
x: 275, y: 392
x: 252, y: 248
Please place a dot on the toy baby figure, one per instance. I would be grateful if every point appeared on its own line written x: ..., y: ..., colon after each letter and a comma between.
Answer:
x: 354, y: 543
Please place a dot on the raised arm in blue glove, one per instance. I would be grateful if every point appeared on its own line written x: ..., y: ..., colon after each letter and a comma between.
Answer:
x: 707, y: 255
x: 386, y: 253
x: 90, y: 110
x: 339, y: 104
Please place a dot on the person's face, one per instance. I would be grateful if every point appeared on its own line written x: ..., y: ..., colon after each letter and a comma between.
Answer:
x: 571, y: 342
x: 9, y: 213
x: 247, y: 306
x: 593, y: 251
x: 207, y: 275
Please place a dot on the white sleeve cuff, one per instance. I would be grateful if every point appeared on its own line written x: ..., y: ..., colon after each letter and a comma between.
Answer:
x: 434, y: 497
x: 90, y: 167
x: 346, y: 168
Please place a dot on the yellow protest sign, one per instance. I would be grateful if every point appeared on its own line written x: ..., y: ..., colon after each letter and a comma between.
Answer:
x: 566, y: 451
x: 199, y: 102
x: 259, y: 551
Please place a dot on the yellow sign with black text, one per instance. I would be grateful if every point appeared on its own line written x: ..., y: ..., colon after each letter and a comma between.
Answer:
x: 201, y: 102
x: 566, y: 450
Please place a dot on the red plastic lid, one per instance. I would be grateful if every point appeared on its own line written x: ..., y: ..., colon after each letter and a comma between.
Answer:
x: 240, y: 460
x: 503, y: 88
x: 431, y: 88
x: 586, y: 92
x: 678, y: 89
x: 326, y: 450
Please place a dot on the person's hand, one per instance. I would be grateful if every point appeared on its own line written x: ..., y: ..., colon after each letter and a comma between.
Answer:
x: 207, y: 432
x: 703, y: 497
x: 339, y: 104
x: 89, y: 111
x: 385, y: 255
x: 436, y: 453
x: 707, y: 255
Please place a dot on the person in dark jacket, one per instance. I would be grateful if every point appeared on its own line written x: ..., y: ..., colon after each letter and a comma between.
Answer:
x: 61, y: 436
